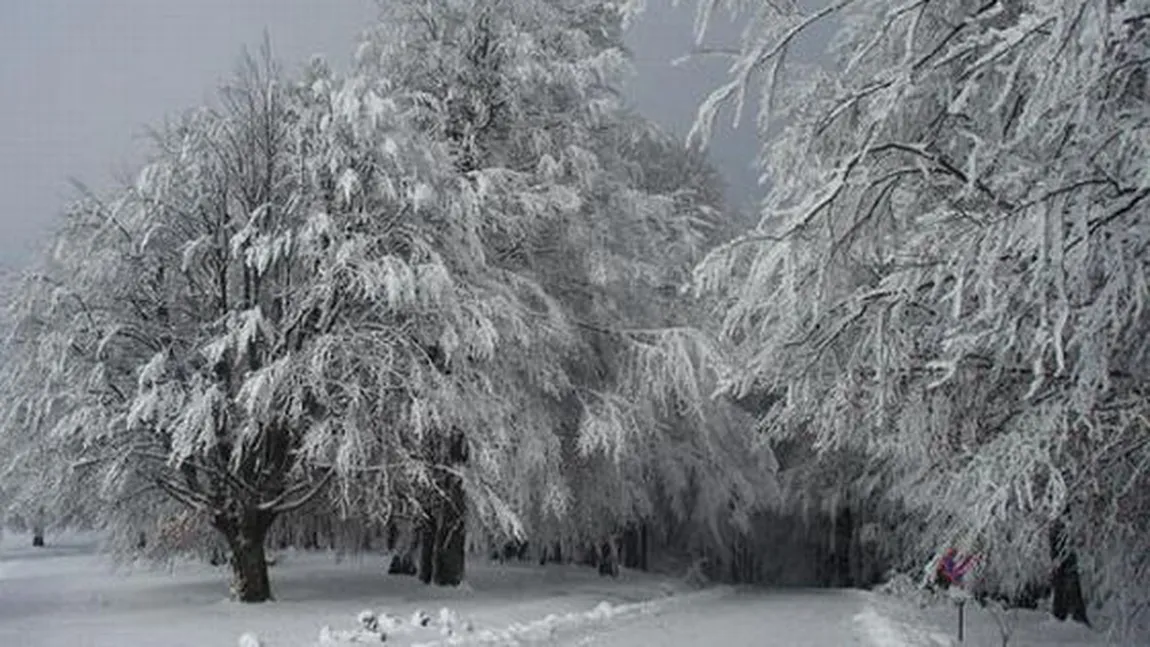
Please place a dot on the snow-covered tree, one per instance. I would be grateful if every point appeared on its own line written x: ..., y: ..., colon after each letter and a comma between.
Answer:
x: 577, y: 200
x: 442, y: 288
x: 156, y: 349
x: 287, y: 304
x: 950, y: 270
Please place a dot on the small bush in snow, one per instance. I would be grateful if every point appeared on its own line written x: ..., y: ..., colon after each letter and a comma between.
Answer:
x: 250, y: 640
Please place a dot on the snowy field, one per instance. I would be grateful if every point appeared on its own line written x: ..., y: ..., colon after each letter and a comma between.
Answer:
x: 67, y: 596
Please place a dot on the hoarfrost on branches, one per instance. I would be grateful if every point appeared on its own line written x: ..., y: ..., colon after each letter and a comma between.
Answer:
x: 949, y: 275
x: 440, y: 291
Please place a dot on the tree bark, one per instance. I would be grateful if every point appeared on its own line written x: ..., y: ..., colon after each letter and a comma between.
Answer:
x: 427, y: 547
x: 607, y: 563
x: 451, y: 553
x: 1064, y: 579
x: 451, y: 558
x: 631, y: 556
x: 444, y: 554
x: 38, y: 530
x: 643, y: 547
x: 552, y: 555
x: 841, y: 549
x: 392, y: 535
x: 245, y: 537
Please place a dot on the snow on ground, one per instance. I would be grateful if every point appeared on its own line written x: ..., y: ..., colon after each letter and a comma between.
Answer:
x: 67, y: 596
x: 791, y: 618
x: 908, y: 618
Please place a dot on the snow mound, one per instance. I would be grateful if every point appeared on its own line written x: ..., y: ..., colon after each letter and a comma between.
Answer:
x: 546, y: 629
x: 420, y: 618
x: 448, y: 628
x: 448, y: 621
x: 250, y: 640
x: 329, y: 637
x: 368, y: 620
x: 379, y: 627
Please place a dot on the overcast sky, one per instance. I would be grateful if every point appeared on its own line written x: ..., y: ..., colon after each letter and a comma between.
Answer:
x: 79, y: 80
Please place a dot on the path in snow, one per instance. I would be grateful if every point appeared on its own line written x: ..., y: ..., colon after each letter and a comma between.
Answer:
x: 793, y: 618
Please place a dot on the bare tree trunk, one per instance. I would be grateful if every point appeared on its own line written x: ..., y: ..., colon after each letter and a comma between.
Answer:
x: 631, y: 551
x: 428, y: 529
x: 1064, y: 579
x: 392, y: 535
x: 38, y: 529
x: 843, y: 522
x: 590, y: 556
x: 552, y: 555
x: 607, y: 563
x: 250, y: 581
x: 310, y: 538
x: 451, y: 548
x: 444, y: 555
x: 643, y: 547
x: 513, y: 549
x: 402, y: 562
x: 451, y: 558
x: 245, y: 537
x: 428, y: 534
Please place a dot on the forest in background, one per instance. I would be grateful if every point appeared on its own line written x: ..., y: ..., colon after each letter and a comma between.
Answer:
x: 463, y: 299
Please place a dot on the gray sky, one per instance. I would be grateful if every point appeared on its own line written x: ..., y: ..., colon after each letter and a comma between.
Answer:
x: 81, y: 79
x: 671, y: 94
